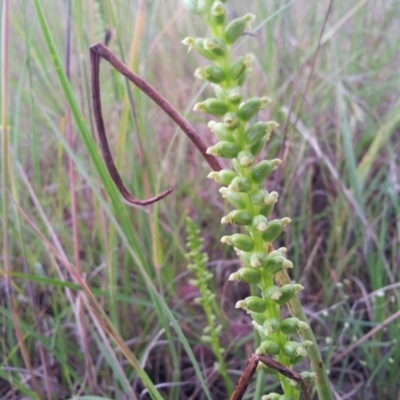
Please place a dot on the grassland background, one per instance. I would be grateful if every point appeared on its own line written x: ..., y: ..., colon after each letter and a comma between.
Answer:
x: 63, y: 222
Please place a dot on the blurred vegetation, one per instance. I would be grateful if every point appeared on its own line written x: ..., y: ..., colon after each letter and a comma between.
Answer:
x: 95, y: 296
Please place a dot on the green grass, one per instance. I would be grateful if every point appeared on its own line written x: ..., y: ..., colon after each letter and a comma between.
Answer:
x: 100, y: 302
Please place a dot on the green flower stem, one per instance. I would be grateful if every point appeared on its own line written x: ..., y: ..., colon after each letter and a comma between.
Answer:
x: 241, y: 140
x: 211, y: 332
x: 317, y: 365
x: 274, y: 312
x: 216, y: 348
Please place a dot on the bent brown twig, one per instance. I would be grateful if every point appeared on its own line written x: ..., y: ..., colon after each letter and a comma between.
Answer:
x: 251, y: 367
x: 100, y: 50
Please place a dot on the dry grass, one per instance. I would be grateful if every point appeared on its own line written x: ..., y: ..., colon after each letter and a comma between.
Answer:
x: 340, y: 142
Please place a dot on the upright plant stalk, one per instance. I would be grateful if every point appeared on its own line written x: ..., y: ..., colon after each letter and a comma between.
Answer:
x: 6, y: 188
x: 241, y: 140
x: 206, y: 299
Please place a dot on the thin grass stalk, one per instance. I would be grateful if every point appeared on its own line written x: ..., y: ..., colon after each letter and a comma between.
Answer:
x: 114, y: 24
x: 6, y: 190
x: 98, y: 27
x: 97, y: 310
x: 79, y: 309
x: 124, y: 226
x: 116, y: 363
x: 19, y: 229
x: 347, y: 193
x: 32, y: 113
x: 133, y: 52
x: 69, y: 137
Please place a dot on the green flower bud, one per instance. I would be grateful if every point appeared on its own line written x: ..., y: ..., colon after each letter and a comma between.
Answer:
x: 297, y: 288
x: 257, y: 147
x: 272, y: 293
x: 282, y: 250
x: 207, y: 275
x: 194, y: 282
x: 242, y: 79
x: 306, y: 343
x: 290, y: 325
x: 244, y: 256
x: 240, y: 241
x: 224, y: 149
x: 246, y: 274
x: 251, y: 107
x: 258, y: 259
x: 287, y: 292
x: 275, y: 228
x: 257, y: 197
x: 269, y: 347
x: 275, y: 163
x: 225, y: 176
x: 303, y: 326
x: 258, y: 319
x: 245, y: 159
x: 309, y: 376
x: 227, y: 240
x: 207, y: 329
x: 199, y: 300
x: 220, y: 131
x: 301, y: 351
x: 252, y: 303
x: 218, y: 13
x: 238, y: 217
x: 198, y: 44
x: 218, y: 329
x: 237, y: 68
x: 215, y: 46
x: 189, y: 41
x: 272, y: 125
x: 243, y: 242
x: 290, y: 349
x: 271, y: 325
x: 206, y: 339
x: 257, y: 326
x: 235, y: 198
x: 256, y: 132
x: 212, y: 106
x: 278, y: 252
x: 275, y: 263
x: 213, y: 175
x: 234, y: 95
x: 236, y: 27
x: 273, y: 231
x: 263, y: 169
x: 240, y: 184
x: 210, y: 73
x: 270, y: 200
x: 241, y: 66
x: 194, y: 6
x: 260, y: 223
x: 231, y: 121
x: 271, y: 396
x: 223, y: 190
